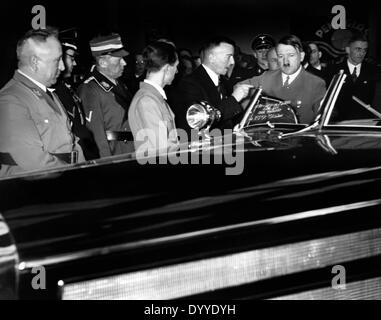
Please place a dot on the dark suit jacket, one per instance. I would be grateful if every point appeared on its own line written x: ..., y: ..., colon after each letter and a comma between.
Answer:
x: 196, y: 87
x: 323, y: 73
x: 363, y: 88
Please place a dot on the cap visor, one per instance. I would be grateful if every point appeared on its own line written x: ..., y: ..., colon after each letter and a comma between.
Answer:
x: 119, y: 53
x: 263, y: 46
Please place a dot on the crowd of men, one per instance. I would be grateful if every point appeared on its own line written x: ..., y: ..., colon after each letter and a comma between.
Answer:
x: 46, y: 120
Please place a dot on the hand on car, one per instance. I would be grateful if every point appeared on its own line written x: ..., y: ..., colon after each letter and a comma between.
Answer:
x: 241, y: 91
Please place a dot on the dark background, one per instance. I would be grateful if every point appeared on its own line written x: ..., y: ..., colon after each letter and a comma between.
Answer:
x: 186, y: 22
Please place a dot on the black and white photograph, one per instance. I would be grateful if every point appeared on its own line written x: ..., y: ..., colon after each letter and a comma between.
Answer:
x: 202, y: 151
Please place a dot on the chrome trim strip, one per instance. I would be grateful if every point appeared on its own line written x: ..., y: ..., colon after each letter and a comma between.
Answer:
x: 189, y: 235
x: 369, y: 289
x: 207, y: 275
x: 8, y: 261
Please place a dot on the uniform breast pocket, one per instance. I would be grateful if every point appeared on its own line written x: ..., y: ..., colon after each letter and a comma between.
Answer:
x: 46, y: 123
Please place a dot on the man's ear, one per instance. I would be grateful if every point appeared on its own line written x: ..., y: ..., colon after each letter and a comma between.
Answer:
x: 211, y: 57
x: 33, y: 62
x: 347, y: 50
x: 320, y: 54
x: 302, y: 54
x: 165, y: 68
x: 255, y: 54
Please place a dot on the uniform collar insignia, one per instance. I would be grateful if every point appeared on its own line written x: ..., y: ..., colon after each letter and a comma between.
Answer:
x: 37, y: 92
x: 102, y: 81
x: 105, y: 85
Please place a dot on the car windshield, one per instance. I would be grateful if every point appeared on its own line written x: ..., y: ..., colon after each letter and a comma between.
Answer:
x: 338, y: 108
x: 350, y: 110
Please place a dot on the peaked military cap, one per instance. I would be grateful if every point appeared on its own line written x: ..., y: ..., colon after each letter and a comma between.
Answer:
x: 110, y: 45
x: 262, y: 41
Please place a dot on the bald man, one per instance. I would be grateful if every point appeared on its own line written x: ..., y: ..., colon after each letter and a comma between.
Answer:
x: 35, y: 132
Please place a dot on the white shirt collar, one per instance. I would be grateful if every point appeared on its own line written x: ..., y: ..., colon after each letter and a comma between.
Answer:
x: 352, y: 66
x: 214, y: 76
x: 40, y: 85
x: 157, y: 87
x: 292, y: 76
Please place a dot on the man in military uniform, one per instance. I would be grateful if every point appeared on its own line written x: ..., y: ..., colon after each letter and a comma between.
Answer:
x: 260, y: 46
x: 72, y: 102
x: 291, y: 82
x: 105, y: 99
x: 35, y: 132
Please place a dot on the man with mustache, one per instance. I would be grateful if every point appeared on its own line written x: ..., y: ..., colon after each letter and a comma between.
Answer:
x: 291, y: 82
x: 35, y: 132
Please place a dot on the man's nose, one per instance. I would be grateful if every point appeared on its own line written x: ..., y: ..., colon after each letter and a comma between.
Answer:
x: 61, y: 65
x: 232, y: 61
x: 123, y: 62
x: 285, y: 60
x: 74, y: 63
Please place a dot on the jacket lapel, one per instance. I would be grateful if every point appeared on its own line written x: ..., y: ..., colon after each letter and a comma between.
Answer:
x: 363, y: 73
x: 208, y: 84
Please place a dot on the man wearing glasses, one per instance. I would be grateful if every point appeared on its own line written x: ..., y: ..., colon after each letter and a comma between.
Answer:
x: 72, y: 103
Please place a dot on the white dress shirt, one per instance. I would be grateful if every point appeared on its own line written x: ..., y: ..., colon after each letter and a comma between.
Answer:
x: 352, y: 66
x: 157, y: 87
x: 214, y: 76
x: 291, y: 76
x: 40, y: 85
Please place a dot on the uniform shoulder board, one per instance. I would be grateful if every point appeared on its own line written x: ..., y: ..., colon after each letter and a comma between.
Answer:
x: 103, y: 84
x: 89, y: 79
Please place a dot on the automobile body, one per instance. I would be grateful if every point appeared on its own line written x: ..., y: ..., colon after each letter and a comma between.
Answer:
x: 301, y: 222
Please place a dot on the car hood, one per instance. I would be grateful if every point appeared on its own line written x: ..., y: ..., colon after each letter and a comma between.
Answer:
x: 124, y: 202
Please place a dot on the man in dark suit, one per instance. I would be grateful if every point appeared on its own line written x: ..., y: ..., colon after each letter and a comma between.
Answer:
x: 204, y: 84
x: 360, y: 81
x: 314, y: 65
x: 291, y: 82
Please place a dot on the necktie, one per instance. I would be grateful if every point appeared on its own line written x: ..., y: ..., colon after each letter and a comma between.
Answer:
x: 354, y: 74
x: 286, y: 83
x: 220, y: 89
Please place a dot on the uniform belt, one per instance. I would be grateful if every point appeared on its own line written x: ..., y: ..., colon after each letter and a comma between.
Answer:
x: 119, y: 136
x: 68, y: 157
